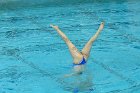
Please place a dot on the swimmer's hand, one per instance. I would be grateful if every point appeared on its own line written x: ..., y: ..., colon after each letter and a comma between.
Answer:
x: 54, y: 26
x: 72, y: 74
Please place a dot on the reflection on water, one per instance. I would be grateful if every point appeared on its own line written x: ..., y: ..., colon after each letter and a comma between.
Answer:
x: 79, y: 83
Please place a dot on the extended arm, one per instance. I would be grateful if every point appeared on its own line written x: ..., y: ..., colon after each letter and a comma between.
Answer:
x: 69, y: 75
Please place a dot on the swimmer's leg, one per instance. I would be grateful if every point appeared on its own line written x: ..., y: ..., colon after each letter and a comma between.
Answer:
x: 73, y: 50
x: 87, y: 47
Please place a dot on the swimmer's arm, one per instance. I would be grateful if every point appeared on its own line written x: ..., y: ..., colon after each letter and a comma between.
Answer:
x: 71, y: 74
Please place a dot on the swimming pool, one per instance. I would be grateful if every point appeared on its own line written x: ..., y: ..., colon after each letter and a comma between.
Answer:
x: 34, y: 58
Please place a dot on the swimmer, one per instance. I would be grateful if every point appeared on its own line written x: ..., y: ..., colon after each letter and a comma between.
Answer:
x: 79, y: 57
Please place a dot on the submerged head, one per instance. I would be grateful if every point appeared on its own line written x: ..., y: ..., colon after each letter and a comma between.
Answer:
x: 79, y: 69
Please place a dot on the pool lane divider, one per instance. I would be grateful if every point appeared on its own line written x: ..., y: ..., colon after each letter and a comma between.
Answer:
x: 106, y: 67
x: 45, y: 73
x: 15, y: 53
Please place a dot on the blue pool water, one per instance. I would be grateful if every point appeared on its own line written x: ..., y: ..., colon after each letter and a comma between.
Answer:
x: 33, y: 58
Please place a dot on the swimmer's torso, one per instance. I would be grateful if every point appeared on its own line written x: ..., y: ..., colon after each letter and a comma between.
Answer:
x: 80, y: 67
